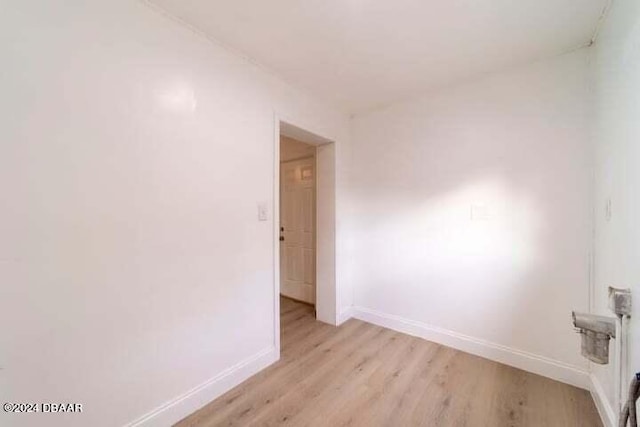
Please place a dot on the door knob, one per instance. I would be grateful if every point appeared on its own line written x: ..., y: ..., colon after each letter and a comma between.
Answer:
x: 282, y: 238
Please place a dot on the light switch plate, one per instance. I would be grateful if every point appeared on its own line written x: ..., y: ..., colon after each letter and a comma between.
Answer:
x: 263, y: 211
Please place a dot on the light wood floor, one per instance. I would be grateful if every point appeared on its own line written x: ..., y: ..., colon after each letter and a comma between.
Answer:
x: 363, y: 375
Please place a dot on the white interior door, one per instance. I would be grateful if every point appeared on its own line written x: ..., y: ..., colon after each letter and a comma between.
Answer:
x: 297, y: 229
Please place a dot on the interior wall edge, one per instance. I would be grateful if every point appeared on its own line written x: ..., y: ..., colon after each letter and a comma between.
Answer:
x: 345, y: 314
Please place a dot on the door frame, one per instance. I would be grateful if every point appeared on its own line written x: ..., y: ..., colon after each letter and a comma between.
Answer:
x: 326, y: 293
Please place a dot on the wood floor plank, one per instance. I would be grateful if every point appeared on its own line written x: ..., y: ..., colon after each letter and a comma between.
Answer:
x: 360, y: 374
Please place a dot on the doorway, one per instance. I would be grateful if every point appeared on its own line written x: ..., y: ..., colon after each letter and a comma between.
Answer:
x: 304, y: 222
x: 297, y: 220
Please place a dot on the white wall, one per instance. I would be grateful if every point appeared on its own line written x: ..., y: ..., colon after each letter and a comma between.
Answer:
x: 516, y: 146
x: 617, y: 171
x: 133, y: 154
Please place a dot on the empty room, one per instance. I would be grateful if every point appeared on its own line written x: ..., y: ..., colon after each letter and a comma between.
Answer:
x: 319, y: 213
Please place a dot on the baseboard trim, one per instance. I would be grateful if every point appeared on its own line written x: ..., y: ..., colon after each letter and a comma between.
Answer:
x: 176, y: 409
x: 606, y: 411
x: 530, y: 362
x: 345, y: 315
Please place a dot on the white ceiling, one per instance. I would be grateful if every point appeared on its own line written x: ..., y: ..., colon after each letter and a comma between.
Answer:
x: 361, y: 54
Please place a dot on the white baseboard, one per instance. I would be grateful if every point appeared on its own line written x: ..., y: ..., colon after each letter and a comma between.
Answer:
x: 530, y: 362
x: 606, y: 411
x: 345, y: 315
x: 176, y: 409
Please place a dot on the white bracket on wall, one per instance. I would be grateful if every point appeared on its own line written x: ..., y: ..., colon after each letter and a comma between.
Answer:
x: 620, y: 301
